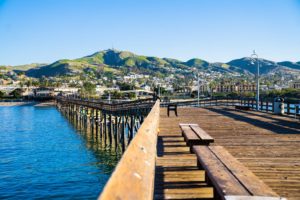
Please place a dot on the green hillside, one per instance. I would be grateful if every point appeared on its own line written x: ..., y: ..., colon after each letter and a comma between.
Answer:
x: 121, y: 62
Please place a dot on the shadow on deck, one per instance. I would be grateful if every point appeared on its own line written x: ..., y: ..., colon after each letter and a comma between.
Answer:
x: 266, y: 144
x: 270, y: 122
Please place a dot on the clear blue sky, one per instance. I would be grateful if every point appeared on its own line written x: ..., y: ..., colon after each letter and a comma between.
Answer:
x: 214, y: 30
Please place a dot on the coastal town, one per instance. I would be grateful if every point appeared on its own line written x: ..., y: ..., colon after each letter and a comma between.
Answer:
x: 150, y: 100
x: 132, y: 85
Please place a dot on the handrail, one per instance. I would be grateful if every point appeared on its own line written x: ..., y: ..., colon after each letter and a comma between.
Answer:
x: 133, y: 177
x: 137, y: 104
x: 291, y: 107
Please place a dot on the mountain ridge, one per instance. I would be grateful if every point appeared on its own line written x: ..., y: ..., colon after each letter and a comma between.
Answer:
x: 118, y: 62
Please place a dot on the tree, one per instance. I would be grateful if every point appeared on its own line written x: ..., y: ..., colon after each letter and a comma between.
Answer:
x: 28, y: 83
x: 132, y: 95
x: 88, y: 89
x: 1, y: 94
x: 17, y: 93
x: 126, y: 86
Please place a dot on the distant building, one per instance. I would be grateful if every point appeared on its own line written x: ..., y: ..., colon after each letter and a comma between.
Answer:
x: 227, y: 87
x: 295, y: 85
x: 146, y: 87
x: 43, y: 92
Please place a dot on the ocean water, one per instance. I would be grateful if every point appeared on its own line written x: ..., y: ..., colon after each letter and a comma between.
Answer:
x: 43, y: 156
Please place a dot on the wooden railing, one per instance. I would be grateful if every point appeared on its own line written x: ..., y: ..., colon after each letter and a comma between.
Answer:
x: 109, y: 107
x: 291, y: 107
x: 133, y: 177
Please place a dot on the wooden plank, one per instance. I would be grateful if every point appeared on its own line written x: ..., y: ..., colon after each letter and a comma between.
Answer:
x: 177, y: 175
x: 252, y: 183
x: 190, y: 136
x: 186, y: 193
x: 253, y: 198
x: 268, y: 145
x: 133, y: 177
x: 223, y: 181
x: 203, y: 135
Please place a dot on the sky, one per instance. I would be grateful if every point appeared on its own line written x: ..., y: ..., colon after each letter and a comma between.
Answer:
x: 43, y: 31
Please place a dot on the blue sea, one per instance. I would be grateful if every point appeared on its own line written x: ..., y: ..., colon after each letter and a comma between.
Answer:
x: 43, y: 156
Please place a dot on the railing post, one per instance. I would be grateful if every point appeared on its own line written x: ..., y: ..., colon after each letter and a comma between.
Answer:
x: 288, y: 109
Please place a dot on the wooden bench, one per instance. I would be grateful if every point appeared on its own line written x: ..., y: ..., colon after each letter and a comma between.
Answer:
x: 172, y: 107
x: 194, y: 135
x: 230, y: 178
x: 242, y: 107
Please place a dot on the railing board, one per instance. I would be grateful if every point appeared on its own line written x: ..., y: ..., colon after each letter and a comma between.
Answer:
x: 133, y: 177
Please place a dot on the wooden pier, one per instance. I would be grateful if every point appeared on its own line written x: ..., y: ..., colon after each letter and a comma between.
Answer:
x: 158, y: 164
x: 268, y: 145
x: 116, y: 124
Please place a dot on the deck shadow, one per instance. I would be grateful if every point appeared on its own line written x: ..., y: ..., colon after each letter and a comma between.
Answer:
x: 274, y: 127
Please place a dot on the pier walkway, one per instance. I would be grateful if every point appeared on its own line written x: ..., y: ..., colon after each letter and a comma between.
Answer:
x: 158, y: 164
x: 269, y: 145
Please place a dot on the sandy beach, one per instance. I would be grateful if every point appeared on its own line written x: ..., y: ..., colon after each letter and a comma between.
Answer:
x: 44, y: 104
x: 14, y: 103
x: 20, y: 103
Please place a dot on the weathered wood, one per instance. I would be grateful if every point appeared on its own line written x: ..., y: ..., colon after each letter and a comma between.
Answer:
x: 133, y: 177
x: 252, y: 183
x: 189, y: 135
x: 268, y: 145
x: 203, y: 135
x: 223, y: 181
x: 253, y: 198
x: 194, y: 135
x: 177, y: 175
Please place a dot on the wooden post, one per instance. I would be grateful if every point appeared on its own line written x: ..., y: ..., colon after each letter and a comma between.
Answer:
x: 116, y: 132
x: 123, y: 134
x: 109, y: 129
x: 104, y: 127
x: 97, y: 122
x: 132, y: 120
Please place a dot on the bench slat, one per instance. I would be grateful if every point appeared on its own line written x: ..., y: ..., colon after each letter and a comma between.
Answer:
x: 254, y: 185
x: 224, y: 182
x: 201, y: 133
x: 189, y: 135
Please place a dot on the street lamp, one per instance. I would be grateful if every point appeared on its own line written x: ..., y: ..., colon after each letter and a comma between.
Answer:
x: 254, y: 57
x: 198, y: 86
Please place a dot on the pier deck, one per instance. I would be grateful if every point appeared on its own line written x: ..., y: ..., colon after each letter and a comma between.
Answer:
x: 269, y: 145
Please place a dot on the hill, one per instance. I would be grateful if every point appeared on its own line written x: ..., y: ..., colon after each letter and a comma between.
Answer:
x: 121, y: 62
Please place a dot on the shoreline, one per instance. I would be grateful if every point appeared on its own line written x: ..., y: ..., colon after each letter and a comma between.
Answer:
x: 19, y: 103
x: 45, y: 104
x: 22, y: 103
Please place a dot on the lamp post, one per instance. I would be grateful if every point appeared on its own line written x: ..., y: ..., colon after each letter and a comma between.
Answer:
x: 254, y: 57
x: 198, y: 87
